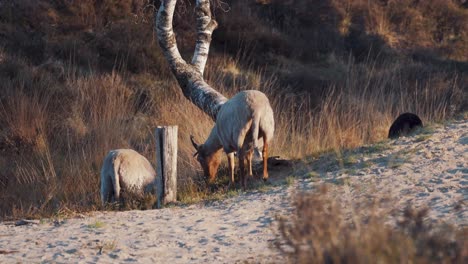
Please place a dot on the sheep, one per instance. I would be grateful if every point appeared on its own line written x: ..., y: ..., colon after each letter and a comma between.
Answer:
x: 240, y: 122
x: 126, y: 169
x: 404, y: 124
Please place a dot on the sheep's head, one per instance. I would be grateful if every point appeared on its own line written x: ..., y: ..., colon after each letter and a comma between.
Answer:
x: 209, y: 160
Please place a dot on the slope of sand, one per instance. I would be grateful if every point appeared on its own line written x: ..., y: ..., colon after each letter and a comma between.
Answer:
x: 427, y: 169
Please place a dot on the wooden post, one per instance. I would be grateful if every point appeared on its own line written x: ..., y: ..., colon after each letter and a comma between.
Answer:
x: 166, y: 164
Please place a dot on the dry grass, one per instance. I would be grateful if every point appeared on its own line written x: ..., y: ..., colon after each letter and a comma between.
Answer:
x: 323, y: 230
x: 97, y: 81
x: 437, y: 26
x: 59, y: 153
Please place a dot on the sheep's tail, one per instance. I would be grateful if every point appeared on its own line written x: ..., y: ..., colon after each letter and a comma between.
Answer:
x: 255, y: 133
x: 116, y: 179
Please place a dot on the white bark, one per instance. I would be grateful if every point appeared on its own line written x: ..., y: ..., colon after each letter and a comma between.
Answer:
x: 190, y: 76
x: 205, y: 27
x: 166, y: 36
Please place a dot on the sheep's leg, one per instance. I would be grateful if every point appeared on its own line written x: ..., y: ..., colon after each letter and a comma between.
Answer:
x: 265, y: 159
x: 249, y: 162
x: 106, y: 190
x: 115, y: 179
x: 117, y: 196
x: 242, y: 177
x: 231, y: 163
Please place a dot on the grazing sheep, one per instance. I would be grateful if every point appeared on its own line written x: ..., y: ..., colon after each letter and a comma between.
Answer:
x: 126, y: 169
x: 241, y: 121
x: 404, y: 124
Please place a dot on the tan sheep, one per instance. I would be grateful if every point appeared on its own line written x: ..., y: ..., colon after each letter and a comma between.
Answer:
x: 126, y: 169
x: 241, y: 121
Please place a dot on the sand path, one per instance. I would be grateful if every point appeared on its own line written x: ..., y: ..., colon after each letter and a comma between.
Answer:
x: 221, y: 232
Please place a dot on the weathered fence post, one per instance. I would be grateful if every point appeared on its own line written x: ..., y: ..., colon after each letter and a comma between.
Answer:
x: 166, y: 164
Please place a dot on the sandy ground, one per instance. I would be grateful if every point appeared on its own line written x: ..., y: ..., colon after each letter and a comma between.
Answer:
x: 223, y: 232
x: 429, y: 169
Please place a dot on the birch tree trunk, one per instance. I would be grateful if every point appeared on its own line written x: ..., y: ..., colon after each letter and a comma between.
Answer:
x: 190, y: 75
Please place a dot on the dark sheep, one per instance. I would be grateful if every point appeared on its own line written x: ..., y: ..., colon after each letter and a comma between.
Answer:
x: 404, y: 124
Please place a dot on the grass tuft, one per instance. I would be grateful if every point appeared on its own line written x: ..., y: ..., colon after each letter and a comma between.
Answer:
x: 96, y: 224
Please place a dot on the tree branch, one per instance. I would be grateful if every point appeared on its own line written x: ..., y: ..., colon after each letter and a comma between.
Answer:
x: 190, y: 77
x: 165, y: 32
x: 205, y: 27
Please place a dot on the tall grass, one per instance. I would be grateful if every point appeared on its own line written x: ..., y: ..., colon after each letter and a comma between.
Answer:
x: 62, y: 109
x: 361, y: 109
x: 55, y: 154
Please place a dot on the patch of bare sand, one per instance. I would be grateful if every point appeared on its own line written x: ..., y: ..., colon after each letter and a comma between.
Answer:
x: 228, y: 231
x: 427, y: 170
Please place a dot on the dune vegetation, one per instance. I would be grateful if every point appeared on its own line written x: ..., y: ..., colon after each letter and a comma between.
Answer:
x: 79, y: 78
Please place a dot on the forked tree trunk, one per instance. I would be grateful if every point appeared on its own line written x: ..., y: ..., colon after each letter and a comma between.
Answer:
x: 190, y: 75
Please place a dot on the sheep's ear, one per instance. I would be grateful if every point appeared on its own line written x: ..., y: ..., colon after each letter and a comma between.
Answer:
x: 195, y: 145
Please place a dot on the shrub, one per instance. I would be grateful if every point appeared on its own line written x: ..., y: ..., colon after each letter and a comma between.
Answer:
x: 321, y: 230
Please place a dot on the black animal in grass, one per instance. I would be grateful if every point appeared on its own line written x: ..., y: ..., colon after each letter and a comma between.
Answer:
x: 404, y: 124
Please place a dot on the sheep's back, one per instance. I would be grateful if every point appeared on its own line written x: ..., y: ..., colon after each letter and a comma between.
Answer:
x: 236, y: 115
x: 134, y: 170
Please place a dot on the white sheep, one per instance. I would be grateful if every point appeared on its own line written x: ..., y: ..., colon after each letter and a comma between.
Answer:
x: 240, y: 122
x: 128, y: 170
